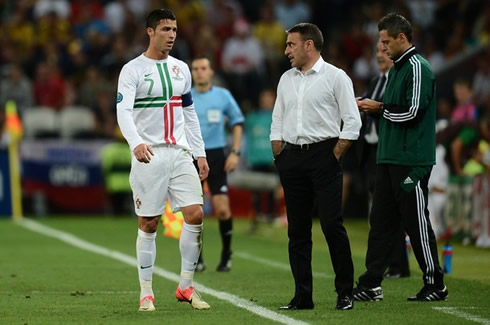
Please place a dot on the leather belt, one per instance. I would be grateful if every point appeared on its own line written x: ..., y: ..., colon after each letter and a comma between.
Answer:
x: 306, y: 146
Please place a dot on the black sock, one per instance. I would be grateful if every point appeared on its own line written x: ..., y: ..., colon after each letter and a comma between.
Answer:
x: 225, y: 229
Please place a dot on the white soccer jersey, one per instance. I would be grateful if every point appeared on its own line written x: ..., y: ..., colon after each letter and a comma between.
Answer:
x: 154, y: 105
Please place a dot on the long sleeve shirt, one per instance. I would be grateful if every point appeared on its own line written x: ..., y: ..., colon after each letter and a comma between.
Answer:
x: 155, y: 107
x: 310, y: 107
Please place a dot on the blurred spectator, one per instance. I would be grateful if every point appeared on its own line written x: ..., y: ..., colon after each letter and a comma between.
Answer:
x: 481, y: 78
x: 49, y: 86
x: 258, y: 151
x: 8, y: 55
x: 422, y: 12
x: 113, y: 61
x: 190, y: 15
x: 292, y: 12
x: 93, y: 32
x: 437, y: 196
x: 116, y: 165
x: 461, y: 140
x: 374, y: 12
x: 271, y: 35
x: 20, y: 31
x: 16, y: 87
x: 206, y: 44
x: 52, y: 28
x: 433, y: 54
x: 93, y: 84
x: 222, y: 15
x: 365, y: 66
x: 141, y: 7
x: 243, y: 63
x: 79, y: 9
x: 465, y: 110
x: 477, y: 165
x: 105, y: 113
x: 77, y: 64
x: 61, y: 8
x: 481, y: 29
x: 115, y: 15
x: 354, y: 42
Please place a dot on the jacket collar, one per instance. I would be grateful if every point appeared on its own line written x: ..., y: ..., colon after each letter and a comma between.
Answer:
x: 400, y: 61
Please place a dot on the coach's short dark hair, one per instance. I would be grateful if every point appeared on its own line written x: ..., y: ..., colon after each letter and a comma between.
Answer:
x: 395, y: 24
x: 309, y: 32
x: 154, y: 17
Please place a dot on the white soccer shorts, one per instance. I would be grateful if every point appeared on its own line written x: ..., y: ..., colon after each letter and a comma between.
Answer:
x: 170, y: 175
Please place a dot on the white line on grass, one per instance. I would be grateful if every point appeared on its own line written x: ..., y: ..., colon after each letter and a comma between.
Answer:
x: 54, y: 292
x: 277, y: 265
x: 455, y: 312
x: 85, y: 245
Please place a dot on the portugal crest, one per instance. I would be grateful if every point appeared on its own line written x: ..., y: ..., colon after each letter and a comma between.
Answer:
x: 176, y: 71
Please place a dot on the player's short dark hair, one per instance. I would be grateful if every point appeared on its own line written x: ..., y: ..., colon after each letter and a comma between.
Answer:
x: 395, y: 24
x: 308, y: 32
x: 202, y: 57
x: 154, y: 17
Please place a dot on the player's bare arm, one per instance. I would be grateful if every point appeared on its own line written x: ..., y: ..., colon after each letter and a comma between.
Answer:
x: 202, y: 163
x: 233, y: 158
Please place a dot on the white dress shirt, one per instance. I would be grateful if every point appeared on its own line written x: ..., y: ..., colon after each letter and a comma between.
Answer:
x: 309, y: 107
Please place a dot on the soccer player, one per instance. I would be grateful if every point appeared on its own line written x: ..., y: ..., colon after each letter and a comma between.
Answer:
x: 156, y: 115
x: 214, y: 107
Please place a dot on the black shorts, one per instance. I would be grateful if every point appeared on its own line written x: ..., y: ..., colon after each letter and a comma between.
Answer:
x: 217, y: 176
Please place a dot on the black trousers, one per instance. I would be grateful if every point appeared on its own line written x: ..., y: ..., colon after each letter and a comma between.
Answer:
x: 400, y: 197
x: 314, y: 177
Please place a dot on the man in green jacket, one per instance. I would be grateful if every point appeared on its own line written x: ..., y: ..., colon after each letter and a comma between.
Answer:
x: 405, y: 156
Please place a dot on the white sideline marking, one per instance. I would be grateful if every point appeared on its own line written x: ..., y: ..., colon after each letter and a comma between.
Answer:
x: 53, y: 292
x: 85, y: 245
x: 455, y: 312
x: 277, y: 265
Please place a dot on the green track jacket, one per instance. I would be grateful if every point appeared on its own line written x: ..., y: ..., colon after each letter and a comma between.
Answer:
x: 407, y: 127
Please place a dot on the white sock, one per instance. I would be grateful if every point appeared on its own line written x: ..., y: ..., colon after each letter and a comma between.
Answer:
x: 190, y: 248
x: 145, y: 253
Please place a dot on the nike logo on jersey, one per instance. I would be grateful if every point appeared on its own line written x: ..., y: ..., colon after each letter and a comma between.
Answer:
x: 408, y: 180
x: 145, y: 267
x: 149, y: 74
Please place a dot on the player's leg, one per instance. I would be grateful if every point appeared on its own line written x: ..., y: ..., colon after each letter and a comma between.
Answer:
x: 146, y: 255
x: 149, y: 205
x: 328, y: 181
x: 185, y: 194
x: 221, y: 204
x: 415, y: 215
x: 384, y: 221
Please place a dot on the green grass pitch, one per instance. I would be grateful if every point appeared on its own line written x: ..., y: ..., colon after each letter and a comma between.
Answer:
x: 44, y: 280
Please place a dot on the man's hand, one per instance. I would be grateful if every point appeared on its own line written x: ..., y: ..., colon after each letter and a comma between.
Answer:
x: 368, y: 105
x: 340, y: 148
x: 231, y: 162
x: 143, y: 153
x: 202, y: 164
x: 277, y: 147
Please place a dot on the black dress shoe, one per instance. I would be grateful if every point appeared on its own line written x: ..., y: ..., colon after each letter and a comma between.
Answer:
x: 293, y: 305
x: 344, y: 303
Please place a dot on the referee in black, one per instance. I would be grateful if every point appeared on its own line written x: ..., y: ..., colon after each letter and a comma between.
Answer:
x: 405, y: 156
x: 312, y: 99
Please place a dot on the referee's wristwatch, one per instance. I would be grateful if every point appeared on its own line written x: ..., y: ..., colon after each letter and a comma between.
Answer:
x: 236, y: 152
